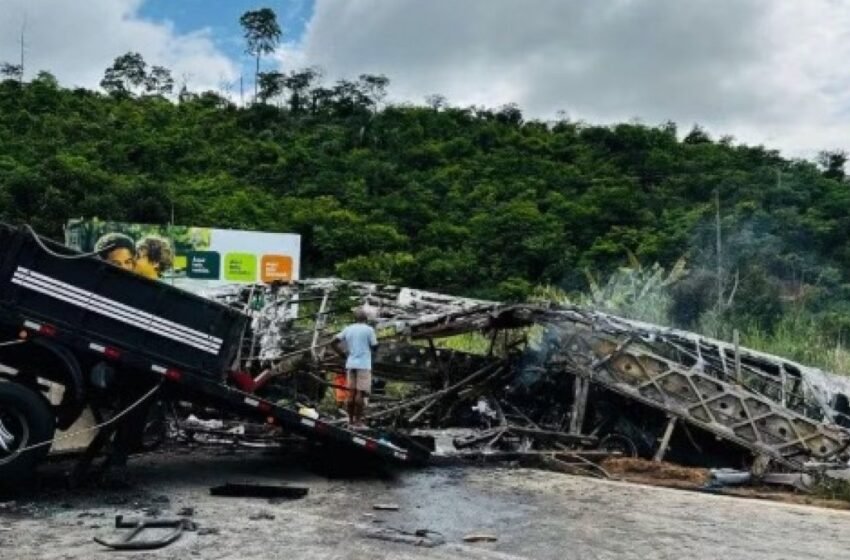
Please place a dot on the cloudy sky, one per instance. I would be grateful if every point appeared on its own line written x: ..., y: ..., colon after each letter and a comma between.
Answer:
x: 764, y: 71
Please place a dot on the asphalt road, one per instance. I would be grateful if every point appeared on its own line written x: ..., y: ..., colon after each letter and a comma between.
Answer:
x: 534, y: 514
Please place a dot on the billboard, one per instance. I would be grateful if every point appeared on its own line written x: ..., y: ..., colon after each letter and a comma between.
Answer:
x: 193, y: 258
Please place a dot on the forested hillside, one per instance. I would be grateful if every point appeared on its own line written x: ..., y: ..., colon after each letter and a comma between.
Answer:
x: 472, y: 201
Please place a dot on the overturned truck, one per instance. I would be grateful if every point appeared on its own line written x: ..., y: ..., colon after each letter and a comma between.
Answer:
x: 557, y: 378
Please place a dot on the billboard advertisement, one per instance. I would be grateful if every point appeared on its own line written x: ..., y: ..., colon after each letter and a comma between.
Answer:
x: 193, y: 258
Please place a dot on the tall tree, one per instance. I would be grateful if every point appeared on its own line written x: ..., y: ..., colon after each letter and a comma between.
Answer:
x: 127, y: 72
x: 375, y: 87
x: 298, y: 82
x: 436, y: 101
x: 159, y: 81
x: 350, y: 98
x: 833, y: 163
x: 271, y: 85
x: 262, y: 35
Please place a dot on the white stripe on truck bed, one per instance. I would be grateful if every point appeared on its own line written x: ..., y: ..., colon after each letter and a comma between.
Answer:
x: 115, y: 310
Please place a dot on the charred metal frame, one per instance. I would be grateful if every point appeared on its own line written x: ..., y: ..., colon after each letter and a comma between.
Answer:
x: 761, y: 403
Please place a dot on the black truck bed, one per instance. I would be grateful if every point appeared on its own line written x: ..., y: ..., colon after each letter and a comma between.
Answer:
x: 91, y: 306
x: 116, y: 307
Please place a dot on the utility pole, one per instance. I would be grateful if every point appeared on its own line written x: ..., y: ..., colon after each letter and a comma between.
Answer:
x: 23, y: 46
x: 719, y: 251
x: 171, y: 227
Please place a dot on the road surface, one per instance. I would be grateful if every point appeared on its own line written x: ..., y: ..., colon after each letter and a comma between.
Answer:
x: 535, y: 514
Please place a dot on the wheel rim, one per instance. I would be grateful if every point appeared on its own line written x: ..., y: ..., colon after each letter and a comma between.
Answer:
x: 14, y: 435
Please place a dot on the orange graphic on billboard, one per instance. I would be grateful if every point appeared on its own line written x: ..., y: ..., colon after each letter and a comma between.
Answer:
x: 276, y: 268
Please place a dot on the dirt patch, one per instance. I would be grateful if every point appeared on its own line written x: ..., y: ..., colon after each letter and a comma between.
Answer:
x: 658, y: 473
x: 786, y: 497
x: 643, y: 471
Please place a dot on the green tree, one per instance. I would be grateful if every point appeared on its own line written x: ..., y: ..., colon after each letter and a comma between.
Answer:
x: 833, y: 163
x: 12, y: 71
x: 128, y: 72
x: 271, y: 85
x: 262, y: 35
x: 374, y: 87
x: 159, y: 81
x: 299, y: 82
x: 474, y: 201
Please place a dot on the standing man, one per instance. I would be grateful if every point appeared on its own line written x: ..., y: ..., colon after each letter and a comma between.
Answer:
x: 360, y: 342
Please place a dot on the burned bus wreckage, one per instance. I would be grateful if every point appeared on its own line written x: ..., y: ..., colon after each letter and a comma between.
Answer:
x: 558, y: 383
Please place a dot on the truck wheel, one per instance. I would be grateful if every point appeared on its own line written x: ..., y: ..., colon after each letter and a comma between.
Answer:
x: 25, y: 419
x: 156, y: 427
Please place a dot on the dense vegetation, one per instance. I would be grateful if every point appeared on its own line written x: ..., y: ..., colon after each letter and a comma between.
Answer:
x: 473, y: 201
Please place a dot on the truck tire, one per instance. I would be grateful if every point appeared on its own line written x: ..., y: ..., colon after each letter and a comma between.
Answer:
x: 156, y: 427
x: 25, y: 419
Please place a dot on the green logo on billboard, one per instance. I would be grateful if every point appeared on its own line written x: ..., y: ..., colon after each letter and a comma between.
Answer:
x: 203, y: 265
x: 240, y: 267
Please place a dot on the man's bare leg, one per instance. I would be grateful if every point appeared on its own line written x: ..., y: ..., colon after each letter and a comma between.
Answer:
x: 361, y: 407
x: 358, y: 409
x: 352, y: 407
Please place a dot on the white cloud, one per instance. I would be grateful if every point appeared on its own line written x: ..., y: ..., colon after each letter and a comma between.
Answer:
x: 77, y: 39
x: 765, y: 71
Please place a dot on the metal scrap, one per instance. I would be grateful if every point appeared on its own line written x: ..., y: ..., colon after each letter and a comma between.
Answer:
x: 418, y: 537
x: 131, y: 542
x: 241, y: 490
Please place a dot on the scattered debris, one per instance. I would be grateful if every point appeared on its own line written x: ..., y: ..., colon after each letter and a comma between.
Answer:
x: 252, y: 435
x: 193, y: 421
x: 259, y: 491
x: 480, y: 537
x: 729, y: 477
x: 798, y: 481
x: 263, y: 515
x: 130, y: 542
x: 419, y: 537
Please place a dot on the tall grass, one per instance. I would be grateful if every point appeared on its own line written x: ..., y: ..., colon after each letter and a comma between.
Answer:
x: 643, y: 293
x: 799, y: 338
x: 796, y: 336
x: 471, y: 342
